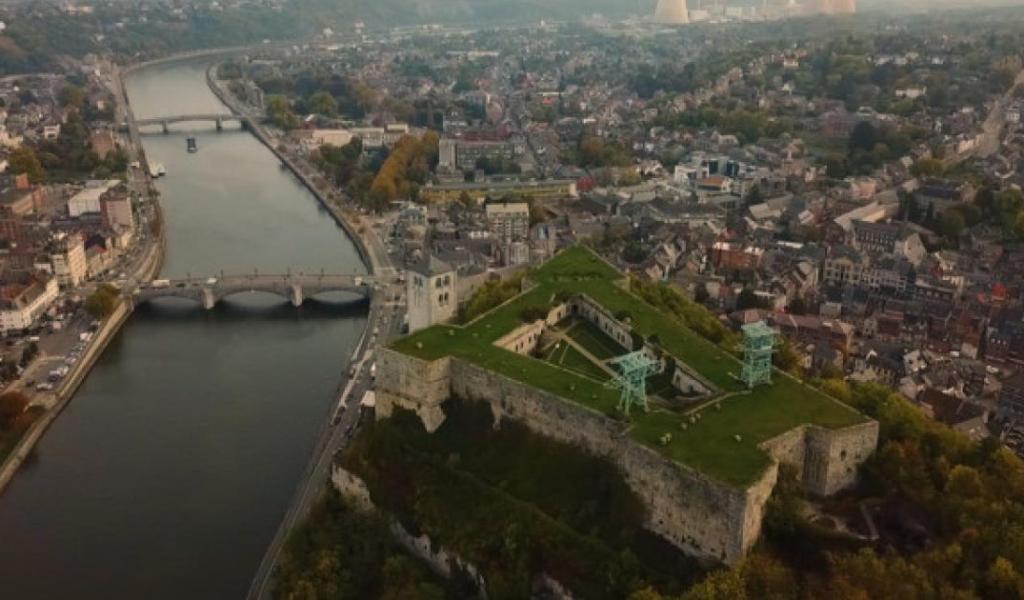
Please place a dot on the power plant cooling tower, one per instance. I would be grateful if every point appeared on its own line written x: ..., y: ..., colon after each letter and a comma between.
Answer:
x: 671, y: 12
x: 837, y: 7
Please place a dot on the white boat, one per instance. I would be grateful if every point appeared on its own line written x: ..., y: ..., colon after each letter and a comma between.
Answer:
x: 157, y: 170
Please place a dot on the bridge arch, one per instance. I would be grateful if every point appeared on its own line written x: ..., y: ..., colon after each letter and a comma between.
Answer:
x: 294, y: 289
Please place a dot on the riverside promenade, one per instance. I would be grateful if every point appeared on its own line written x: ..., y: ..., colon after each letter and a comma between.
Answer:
x: 64, y: 393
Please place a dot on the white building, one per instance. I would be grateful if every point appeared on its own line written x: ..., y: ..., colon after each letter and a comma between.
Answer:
x: 430, y: 287
x: 446, y: 154
x: 67, y: 256
x: 88, y: 200
x: 24, y: 297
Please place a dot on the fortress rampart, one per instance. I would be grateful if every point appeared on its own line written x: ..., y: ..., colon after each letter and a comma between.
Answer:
x: 695, y: 512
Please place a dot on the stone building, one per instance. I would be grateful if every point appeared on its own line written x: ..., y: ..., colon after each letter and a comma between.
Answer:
x: 430, y: 287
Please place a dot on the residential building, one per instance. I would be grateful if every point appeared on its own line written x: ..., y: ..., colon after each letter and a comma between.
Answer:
x: 24, y: 296
x: 509, y: 221
x: 67, y: 257
x: 117, y: 212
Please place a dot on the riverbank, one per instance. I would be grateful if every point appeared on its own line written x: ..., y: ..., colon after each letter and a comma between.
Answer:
x: 64, y: 393
x: 373, y: 257
x: 147, y: 268
x: 336, y: 431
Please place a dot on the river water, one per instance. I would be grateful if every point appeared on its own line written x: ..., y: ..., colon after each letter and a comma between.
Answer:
x: 170, y: 470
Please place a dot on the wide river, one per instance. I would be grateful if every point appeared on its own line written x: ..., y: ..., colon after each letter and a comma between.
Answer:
x: 170, y: 470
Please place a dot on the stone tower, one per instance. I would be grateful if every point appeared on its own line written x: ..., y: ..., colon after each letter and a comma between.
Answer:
x: 431, y: 293
x: 671, y: 12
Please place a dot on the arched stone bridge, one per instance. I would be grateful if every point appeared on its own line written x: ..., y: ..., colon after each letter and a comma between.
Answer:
x: 218, y: 119
x: 294, y: 287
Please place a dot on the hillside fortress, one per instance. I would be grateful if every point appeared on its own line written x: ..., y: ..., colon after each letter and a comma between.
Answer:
x: 703, y: 459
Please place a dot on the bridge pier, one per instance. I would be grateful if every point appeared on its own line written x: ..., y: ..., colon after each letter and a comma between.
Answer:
x: 220, y: 124
x: 165, y: 127
x: 209, y: 299
x: 295, y: 295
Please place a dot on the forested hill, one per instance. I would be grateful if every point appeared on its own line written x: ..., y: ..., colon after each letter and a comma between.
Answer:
x: 37, y: 34
x: 454, y: 11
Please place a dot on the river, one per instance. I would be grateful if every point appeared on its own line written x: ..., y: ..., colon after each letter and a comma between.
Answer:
x: 170, y: 470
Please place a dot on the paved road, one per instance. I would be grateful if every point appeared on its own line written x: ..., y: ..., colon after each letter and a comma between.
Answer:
x: 991, y: 133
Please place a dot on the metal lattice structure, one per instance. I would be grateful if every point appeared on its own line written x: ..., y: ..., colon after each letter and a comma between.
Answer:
x: 634, y: 369
x: 758, y: 347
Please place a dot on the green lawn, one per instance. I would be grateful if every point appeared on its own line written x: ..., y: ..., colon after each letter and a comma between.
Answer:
x: 709, y: 446
x: 594, y: 341
x: 567, y: 357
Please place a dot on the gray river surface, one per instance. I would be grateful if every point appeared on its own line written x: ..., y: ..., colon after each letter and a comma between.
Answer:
x: 171, y: 468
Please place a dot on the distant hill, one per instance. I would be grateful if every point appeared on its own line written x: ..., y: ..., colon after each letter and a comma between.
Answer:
x: 454, y: 11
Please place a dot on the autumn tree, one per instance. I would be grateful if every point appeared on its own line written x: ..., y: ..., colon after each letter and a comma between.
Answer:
x: 102, y: 302
x: 927, y: 167
x: 12, y: 405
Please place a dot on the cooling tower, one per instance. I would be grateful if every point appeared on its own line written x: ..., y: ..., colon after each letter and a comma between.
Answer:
x: 836, y: 7
x: 671, y: 12
x: 847, y: 7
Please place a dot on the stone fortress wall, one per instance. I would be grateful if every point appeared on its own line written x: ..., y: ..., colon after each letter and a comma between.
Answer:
x: 698, y: 514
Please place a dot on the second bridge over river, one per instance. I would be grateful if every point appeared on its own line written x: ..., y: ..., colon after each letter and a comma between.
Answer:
x: 294, y: 287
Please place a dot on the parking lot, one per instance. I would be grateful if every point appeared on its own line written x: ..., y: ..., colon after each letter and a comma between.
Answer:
x: 60, y: 348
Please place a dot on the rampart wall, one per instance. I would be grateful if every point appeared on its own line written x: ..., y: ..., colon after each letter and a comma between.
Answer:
x: 700, y: 515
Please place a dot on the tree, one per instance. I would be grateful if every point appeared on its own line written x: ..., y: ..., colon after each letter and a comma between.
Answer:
x: 726, y: 584
x: 634, y: 253
x: 927, y: 167
x: 747, y: 299
x: 787, y: 358
x: 323, y: 103
x: 24, y: 160
x: 951, y: 224
x: 12, y: 405
x: 280, y: 112
x: 71, y: 96
x: 102, y: 302
x: 863, y: 137
x: 836, y: 166
x: 754, y: 196
x: 29, y: 354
